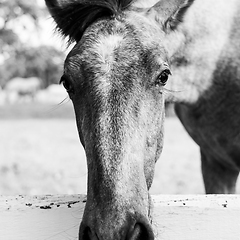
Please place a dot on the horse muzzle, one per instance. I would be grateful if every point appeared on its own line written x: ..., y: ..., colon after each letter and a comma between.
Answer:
x: 132, y: 227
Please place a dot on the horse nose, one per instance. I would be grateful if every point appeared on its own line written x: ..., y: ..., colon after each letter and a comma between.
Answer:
x: 136, y: 230
x: 140, y: 232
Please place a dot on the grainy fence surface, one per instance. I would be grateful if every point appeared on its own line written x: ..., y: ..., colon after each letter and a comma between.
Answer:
x: 176, y: 217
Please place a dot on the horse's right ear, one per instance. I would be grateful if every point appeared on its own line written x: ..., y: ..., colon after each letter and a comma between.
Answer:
x: 169, y: 13
x: 62, y: 12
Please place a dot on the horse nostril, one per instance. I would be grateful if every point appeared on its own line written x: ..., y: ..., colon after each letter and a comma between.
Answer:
x: 87, y: 234
x: 140, y: 232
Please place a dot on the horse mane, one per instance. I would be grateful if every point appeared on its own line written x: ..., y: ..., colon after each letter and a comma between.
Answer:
x: 73, y: 19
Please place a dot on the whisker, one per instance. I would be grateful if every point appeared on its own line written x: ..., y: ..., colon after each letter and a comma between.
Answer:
x: 55, y: 107
x: 171, y: 95
x: 65, y: 100
x: 165, y: 90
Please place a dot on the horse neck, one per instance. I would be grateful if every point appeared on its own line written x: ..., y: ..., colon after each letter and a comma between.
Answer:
x: 198, y: 46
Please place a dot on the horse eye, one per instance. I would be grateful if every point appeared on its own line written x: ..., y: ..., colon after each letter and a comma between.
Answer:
x: 67, y: 84
x: 162, y: 77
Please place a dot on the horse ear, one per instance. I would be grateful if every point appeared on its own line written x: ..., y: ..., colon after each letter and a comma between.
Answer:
x: 169, y: 13
x: 56, y: 9
x: 61, y: 11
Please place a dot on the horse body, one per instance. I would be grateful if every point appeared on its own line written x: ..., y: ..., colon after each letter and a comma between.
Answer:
x: 198, y: 45
x: 207, y: 67
x: 23, y: 86
x: 115, y: 75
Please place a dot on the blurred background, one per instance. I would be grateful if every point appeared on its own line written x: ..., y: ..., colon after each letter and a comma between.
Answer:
x: 40, y: 152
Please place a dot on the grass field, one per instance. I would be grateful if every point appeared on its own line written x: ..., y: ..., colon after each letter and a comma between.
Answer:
x: 40, y: 153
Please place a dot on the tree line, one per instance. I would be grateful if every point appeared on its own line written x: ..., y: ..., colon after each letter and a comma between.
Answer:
x: 18, y: 59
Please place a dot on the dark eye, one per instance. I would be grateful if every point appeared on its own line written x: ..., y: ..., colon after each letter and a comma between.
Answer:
x: 162, y: 77
x: 67, y: 84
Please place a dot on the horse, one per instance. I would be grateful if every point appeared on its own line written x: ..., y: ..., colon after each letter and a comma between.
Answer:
x: 129, y: 56
x: 22, y: 87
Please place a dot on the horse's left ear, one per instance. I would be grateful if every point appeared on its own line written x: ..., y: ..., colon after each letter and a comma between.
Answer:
x: 57, y: 8
x: 169, y: 13
x: 64, y: 14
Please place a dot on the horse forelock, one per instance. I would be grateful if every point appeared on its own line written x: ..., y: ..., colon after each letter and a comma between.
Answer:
x: 76, y: 17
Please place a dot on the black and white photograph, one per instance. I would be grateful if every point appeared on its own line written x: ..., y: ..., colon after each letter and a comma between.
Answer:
x: 119, y: 119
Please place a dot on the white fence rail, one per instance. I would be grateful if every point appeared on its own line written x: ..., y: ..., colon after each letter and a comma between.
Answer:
x: 176, y: 217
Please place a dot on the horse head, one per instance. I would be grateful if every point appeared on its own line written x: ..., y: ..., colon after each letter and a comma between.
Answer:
x: 115, y: 77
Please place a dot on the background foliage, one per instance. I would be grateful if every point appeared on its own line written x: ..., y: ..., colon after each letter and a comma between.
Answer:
x: 19, y: 58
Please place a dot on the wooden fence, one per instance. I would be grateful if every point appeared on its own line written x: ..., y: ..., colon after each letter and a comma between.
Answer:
x: 176, y: 217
